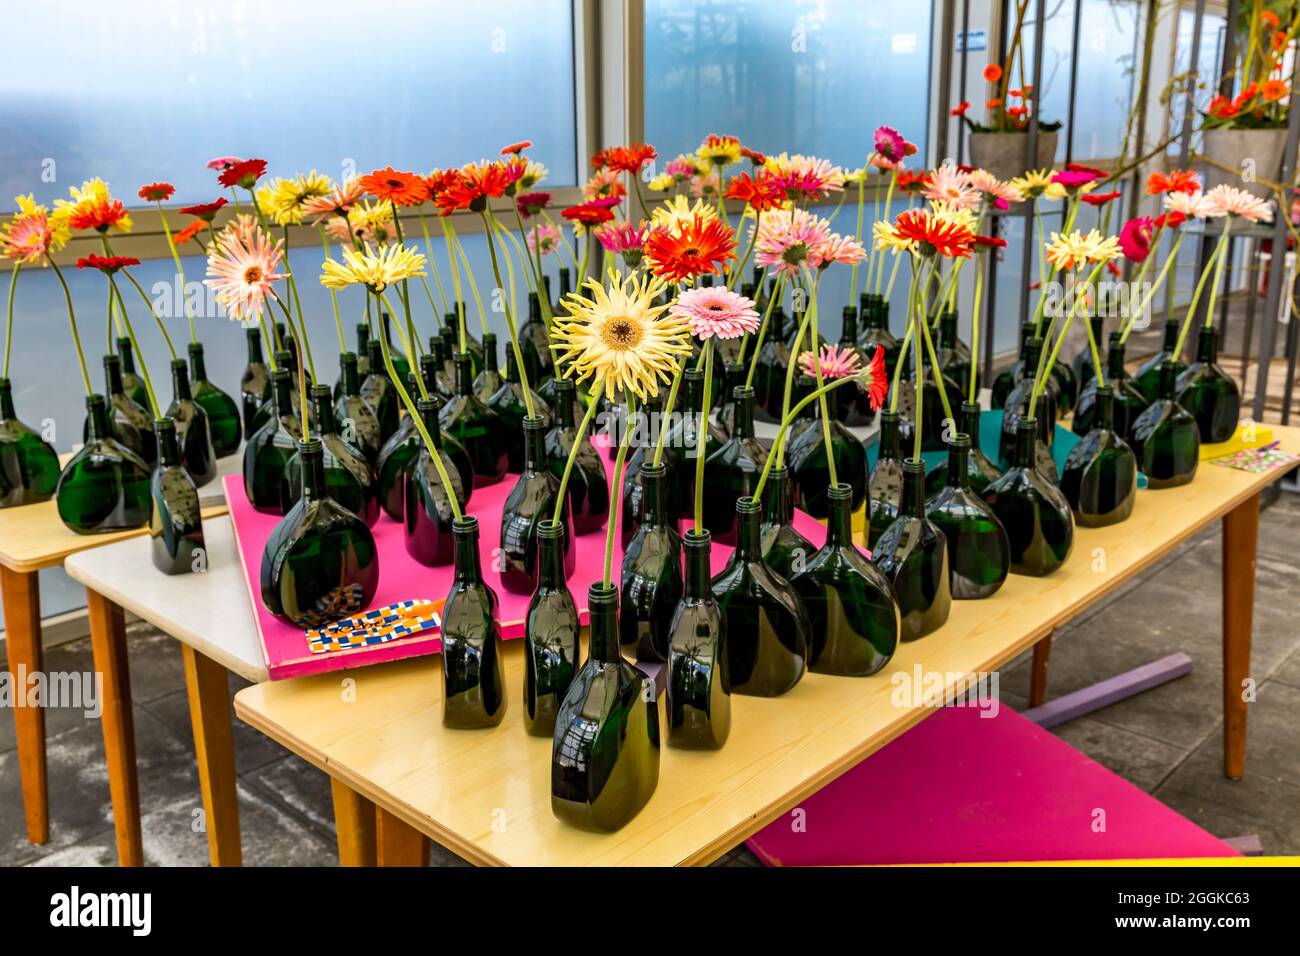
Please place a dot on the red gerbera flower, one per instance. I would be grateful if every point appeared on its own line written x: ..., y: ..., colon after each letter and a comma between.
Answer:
x: 403, y: 189
x: 243, y: 174
x: 629, y: 159
x: 1171, y: 220
x: 207, y: 211
x: 473, y: 186
x: 1099, y: 199
x: 514, y: 149
x: 598, y: 160
x: 990, y: 242
x: 530, y: 204
x: 189, y: 232
x: 107, y: 264
x: 693, y: 249
x: 592, y: 213
x: 761, y: 192
x: 910, y: 182
x: 98, y: 215
x: 960, y: 109
x: 874, y: 379
x: 156, y: 192
x: 934, y: 234
x: 754, y: 156
x: 992, y: 73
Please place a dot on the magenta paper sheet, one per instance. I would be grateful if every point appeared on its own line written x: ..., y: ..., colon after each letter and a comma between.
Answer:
x: 402, y: 578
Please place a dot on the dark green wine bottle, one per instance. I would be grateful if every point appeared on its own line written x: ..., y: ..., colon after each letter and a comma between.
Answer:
x: 176, y: 524
x: 1036, y: 516
x: 379, y: 392
x: 651, y: 574
x: 979, y: 555
x: 1147, y: 378
x: 1166, y: 438
x: 270, y: 448
x: 348, y: 479
x: 885, y: 494
x: 224, y: 423
x: 427, y: 512
x: 197, y: 454
x: 699, y: 681
x: 357, y: 419
x: 478, y: 429
x: 29, y: 466
x: 131, y: 382
x: 1129, y: 402
x: 1100, y: 475
x: 551, y: 630
x: 530, y: 502
x: 913, y: 554
x: 732, y: 471
x: 785, y: 550
x: 254, y: 383
x: 104, y: 486
x: 473, y: 682
x: 130, y: 423
x: 489, y: 380
x: 1206, y: 391
x: 588, y: 489
x: 806, y: 456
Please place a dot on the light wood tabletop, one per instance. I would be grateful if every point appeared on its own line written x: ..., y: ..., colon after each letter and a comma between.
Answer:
x: 486, y: 793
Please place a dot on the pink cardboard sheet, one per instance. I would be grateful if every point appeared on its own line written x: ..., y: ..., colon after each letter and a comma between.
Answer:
x: 402, y: 578
x: 961, y: 788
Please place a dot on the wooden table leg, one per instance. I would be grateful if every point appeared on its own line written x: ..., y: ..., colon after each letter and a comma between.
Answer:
x: 354, y: 822
x: 1240, y: 534
x: 214, y: 750
x: 1038, y: 672
x: 397, y: 843
x: 22, y: 616
x: 108, y: 642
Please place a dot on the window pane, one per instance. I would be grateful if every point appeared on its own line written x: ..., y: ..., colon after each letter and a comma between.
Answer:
x: 153, y: 89
x: 810, y: 76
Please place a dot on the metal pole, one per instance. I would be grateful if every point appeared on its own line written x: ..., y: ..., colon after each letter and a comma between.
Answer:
x: 1074, y: 82
x: 1031, y: 162
x: 962, y: 62
x: 947, y: 18
x: 995, y: 224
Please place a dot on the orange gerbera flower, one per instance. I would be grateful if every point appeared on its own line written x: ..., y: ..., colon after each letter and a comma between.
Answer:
x: 693, y: 249
x: 189, y: 232
x: 1269, y: 19
x: 156, y: 192
x: 934, y: 234
x: 629, y: 159
x: 993, y: 103
x: 404, y: 189
x: 761, y: 192
x: 992, y: 73
x: 1274, y: 90
x: 1279, y: 40
x: 514, y: 149
x: 910, y: 182
x: 473, y: 186
x: 1178, y: 181
x: 97, y: 215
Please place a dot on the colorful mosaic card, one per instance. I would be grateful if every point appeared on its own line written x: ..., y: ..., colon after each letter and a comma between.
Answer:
x: 1257, y: 460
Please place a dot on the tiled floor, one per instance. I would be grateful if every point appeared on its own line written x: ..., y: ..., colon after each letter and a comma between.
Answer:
x: 1167, y: 741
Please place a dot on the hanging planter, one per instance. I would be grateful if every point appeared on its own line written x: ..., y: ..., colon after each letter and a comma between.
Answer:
x: 1005, y: 154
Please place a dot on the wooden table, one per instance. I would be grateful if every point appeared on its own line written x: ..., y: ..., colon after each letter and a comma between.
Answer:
x: 32, y: 538
x: 209, y: 614
x: 486, y: 794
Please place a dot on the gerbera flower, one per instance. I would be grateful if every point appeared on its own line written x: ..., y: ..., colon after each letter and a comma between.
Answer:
x: 625, y: 239
x: 604, y: 182
x: 592, y: 213
x: 91, y: 206
x: 33, y: 233
x: 996, y: 193
x: 760, y: 191
x: 887, y: 239
x: 221, y: 163
x: 754, y: 156
x: 683, y: 167
x: 1239, y: 204
x: 619, y: 338
x: 533, y: 173
x: 1069, y: 250
x: 873, y: 380
x: 708, y: 186
x: 1033, y: 183
x: 243, y: 174
x: 241, y: 273
x: 888, y: 144
x: 396, y: 186
x: 934, y: 234
x: 1170, y: 220
x: 1177, y: 181
x: 189, y: 232
x: 107, y: 264
x: 960, y: 109
x: 530, y: 204
x: 369, y: 221
x: 718, y: 150
x: 1274, y: 90
x: 952, y: 185
x: 805, y: 178
x: 376, y: 270
x: 1192, y: 205
x: 206, y: 211
x: 544, y: 239
x: 835, y: 362
x: 910, y: 182
x: 514, y: 149
x: 337, y: 202
x: 837, y: 248
x: 285, y: 201
x: 1100, y: 199
x: 984, y: 243
x: 156, y: 192
x: 629, y: 159
x: 716, y: 311
x: 662, y: 183
x: 992, y: 73
x: 787, y: 240
x: 474, y: 185
x: 676, y: 212
x: 1135, y: 238
x: 694, y: 249
x: 1074, y: 176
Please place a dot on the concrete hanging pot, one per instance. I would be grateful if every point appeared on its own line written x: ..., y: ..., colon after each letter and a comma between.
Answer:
x: 1251, y: 155
x: 1003, y: 153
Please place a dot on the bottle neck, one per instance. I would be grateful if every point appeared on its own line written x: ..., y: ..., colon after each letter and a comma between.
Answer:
x: 376, y: 355
x: 1168, y: 378
x: 321, y: 400
x: 534, y: 452
x: 970, y: 420
x: 464, y: 374
x: 363, y: 339
x: 428, y: 409
x: 429, y: 366
x: 198, y: 367
x: 1207, y: 346
x: 534, y: 308
x: 550, y: 555
x: 602, y: 604
x: 839, y: 523
x: 282, y: 389
x: 465, y: 536
x: 1026, y: 443
x: 958, y: 455
x: 7, y: 400
x: 849, y: 330
x: 565, y: 287
x: 351, y: 378
x: 652, y: 492
x: 169, y: 449
x: 180, y: 380
x: 749, y: 521
x: 563, y: 407
x: 512, y: 367
x: 743, y: 421
x: 889, y: 435
x: 699, y: 575
x: 1115, y: 358
x: 254, y: 337
x: 97, y: 415
x: 780, y: 503
x: 1106, y: 407
x: 913, y: 503
x: 112, y: 376
x: 490, y: 352
x: 312, y: 458
x: 1171, y: 337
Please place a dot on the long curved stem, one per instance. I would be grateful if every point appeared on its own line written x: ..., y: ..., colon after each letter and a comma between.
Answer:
x: 419, y: 379
x: 72, y: 321
x: 789, y: 420
x: 149, y: 305
x: 9, y: 328
x: 144, y: 366
x: 938, y: 375
x: 669, y: 406
x: 455, y: 278
x: 334, y: 296
x: 817, y: 369
x: 489, y: 221
x: 762, y: 331
x: 593, y: 403
x: 702, y: 434
x: 180, y: 273
x: 615, y: 495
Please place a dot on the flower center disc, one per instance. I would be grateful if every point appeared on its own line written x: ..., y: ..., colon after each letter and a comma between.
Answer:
x: 621, y: 333
x: 253, y: 275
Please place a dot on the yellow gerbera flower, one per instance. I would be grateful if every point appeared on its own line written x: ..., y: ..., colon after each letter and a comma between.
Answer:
x: 375, y: 270
x: 1033, y: 183
x: 1099, y: 248
x: 618, y: 337
x: 718, y: 151
x: 92, y: 206
x: 888, y: 239
x: 679, y: 211
x: 282, y: 200
x: 952, y: 214
x: 373, y: 222
x: 662, y: 183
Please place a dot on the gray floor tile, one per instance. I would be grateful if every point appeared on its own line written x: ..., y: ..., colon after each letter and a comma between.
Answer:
x: 1272, y: 736
x: 1289, y: 672
x: 1228, y: 808
x: 1138, y: 759
x: 252, y: 749
x: 298, y: 786
x: 155, y: 660
x: 71, y: 658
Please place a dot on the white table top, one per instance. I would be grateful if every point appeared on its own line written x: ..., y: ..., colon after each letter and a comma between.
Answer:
x: 209, y: 611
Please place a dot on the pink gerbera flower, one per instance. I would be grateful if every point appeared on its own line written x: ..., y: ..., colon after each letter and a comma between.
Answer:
x: 1135, y: 238
x: 543, y: 239
x: 339, y: 202
x: 836, y: 362
x: 996, y: 193
x: 241, y: 270
x: 222, y: 163
x: 789, y: 239
x: 625, y: 239
x: 952, y: 185
x: 890, y: 145
x: 716, y: 311
x: 1231, y: 201
x: 838, y: 248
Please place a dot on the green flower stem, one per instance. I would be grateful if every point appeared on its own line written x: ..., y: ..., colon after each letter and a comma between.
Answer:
x: 1096, y: 356
x: 144, y: 366
x: 473, y: 285
x: 790, y: 420
x: 489, y: 221
x: 148, y: 305
x: 701, y: 437
x: 270, y: 337
x: 586, y: 254
x: 9, y: 328
x: 640, y: 196
x: 789, y: 373
x: 455, y: 277
x: 419, y: 379
x: 740, y: 269
x: 857, y: 234
x: 72, y: 321
x: 1216, y: 260
x: 975, y: 328
x: 1046, y: 362
x: 334, y: 296
x: 667, y: 415
x: 1218, y: 273
x: 615, y: 496
x: 404, y: 292
x: 1042, y: 238
x: 938, y: 375
x: 1042, y: 290
x: 919, y: 322
x: 907, y: 342
x: 510, y: 268
x: 893, y: 274
x: 419, y: 425
x: 817, y: 370
x: 180, y: 272
x: 534, y: 261
x: 433, y: 266
x: 1141, y: 274
x: 593, y: 403
x: 762, y: 331
x: 573, y: 256
x: 297, y: 307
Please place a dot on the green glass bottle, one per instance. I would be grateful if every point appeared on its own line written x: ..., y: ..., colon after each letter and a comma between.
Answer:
x: 1147, y: 378
x: 29, y: 466
x: 489, y: 380
x: 197, y: 454
x: 535, y: 344
x: 1017, y: 408
x: 1081, y: 364
x: 473, y: 682
x: 433, y: 364
x: 1100, y: 474
x: 913, y: 554
x: 348, y: 479
x: 176, y: 524
x: 131, y: 381
x: 767, y: 624
x: 530, y: 502
x: 104, y: 486
x: 1010, y: 376
x: 732, y: 378
x: 855, y: 408
x: 588, y: 489
x: 874, y: 311
x: 379, y: 392
x: 427, y: 513
x: 224, y: 423
x: 362, y: 355
x: 547, y: 391
x: 980, y: 469
x: 979, y: 555
x: 643, y: 442
x: 934, y: 424
x: 270, y: 448
x: 507, y: 402
x: 785, y: 550
x: 319, y: 562
x: 885, y: 487
x: 1166, y: 438
x: 1036, y: 516
x: 1205, y: 390
x: 773, y: 360
x: 358, y: 420
x: 255, y: 382
x: 605, y: 751
x: 698, y: 685
x: 478, y: 429
x: 806, y: 456
x: 732, y: 471
x: 954, y: 354
x: 1128, y: 401
x: 651, y: 574
x: 683, y: 445
x: 130, y: 423
x: 855, y: 621
x: 551, y: 630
